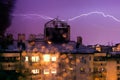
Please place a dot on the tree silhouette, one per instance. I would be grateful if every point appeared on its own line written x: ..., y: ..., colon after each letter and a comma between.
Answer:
x: 6, y: 8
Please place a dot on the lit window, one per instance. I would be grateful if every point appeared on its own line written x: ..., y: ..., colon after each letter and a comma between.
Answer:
x: 46, y: 57
x: 35, y: 58
x: 101, y: 69
x: 35, y: 71
x: 53, y: 71
x: 82, y: 69
x: 64, y: 35
x: 70, y: 68
x: 46, y: 71
x: 26, y: 58
x: 49, y: 42
x: 53, y: 58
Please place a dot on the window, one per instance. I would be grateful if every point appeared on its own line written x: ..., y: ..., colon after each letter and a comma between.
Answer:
x: 35, y: 71
x: 82, y: 69
x: 53, y: 58
x: 26, y: 58
x: 100, y: 58
x: 83, y: 60
x: 90, y: 58
x: 46, y: 57
x: 118, y: 67
x: 102, y: 69
x: 35, y: 58
x: 53, y: 71
x: 118, y: 62
x: 118, y: 78
x: 46, y: 71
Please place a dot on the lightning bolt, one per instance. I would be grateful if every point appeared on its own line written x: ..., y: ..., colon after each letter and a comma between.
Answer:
x: 70, y: 19
x: 34, y: 15
x: 95, y: 12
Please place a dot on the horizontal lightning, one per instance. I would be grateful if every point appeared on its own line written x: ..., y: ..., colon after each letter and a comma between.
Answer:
x: 95, y: 12
x: 34, y: 15
x: 70, y: 19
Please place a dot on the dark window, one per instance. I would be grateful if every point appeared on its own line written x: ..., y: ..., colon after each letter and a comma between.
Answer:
x: 9, y: 59
x: 83, y: 60
x: 118, y: 67
x: 118, y: 62
x: 100, y: 58
x: 118, y: 78
x: 90, y: 58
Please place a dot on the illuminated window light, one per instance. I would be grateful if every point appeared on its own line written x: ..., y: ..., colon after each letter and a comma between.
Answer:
x: 71, y: 69
x: 26, y: 58
x: 35, y: 58
x: 82, y: 69
x: 64, y: 35
x: 53, y: 71
x: 35, y: 71
x: 46, y: 71
x: 49, y: 42
x: 46, y: 57
x: 53, y: 58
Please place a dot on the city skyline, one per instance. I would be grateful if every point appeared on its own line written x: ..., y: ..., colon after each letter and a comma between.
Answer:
x: 99, y: 27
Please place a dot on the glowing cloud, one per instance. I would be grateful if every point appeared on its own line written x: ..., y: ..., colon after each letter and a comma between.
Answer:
x: 95, y: 12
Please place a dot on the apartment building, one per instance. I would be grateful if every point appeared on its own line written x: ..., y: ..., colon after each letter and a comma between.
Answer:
x: 10, y: 64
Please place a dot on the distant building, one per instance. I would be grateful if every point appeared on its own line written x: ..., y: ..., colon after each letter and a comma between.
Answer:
x: 21, y: 37
x: 32, y: 37
x: 116, y: 48
x: 21, y: 42
x: 103, y: 49
x: 79, y: 41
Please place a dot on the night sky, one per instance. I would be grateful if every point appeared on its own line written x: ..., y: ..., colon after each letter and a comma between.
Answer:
x: 98, y: 21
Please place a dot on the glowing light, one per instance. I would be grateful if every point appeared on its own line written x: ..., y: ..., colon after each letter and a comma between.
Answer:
x: 35, y: 58
x: 46, y: 57
x: 71, y: 69
x: 53, y: 71
x: 26, y: 58
x: 53, y: 58
x: 35, y: 71
x: 64, y: 35
x: 49, y: 42
x: 95, y: 12
x: 46, y: 71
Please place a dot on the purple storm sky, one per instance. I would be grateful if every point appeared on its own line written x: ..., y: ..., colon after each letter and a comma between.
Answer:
x: 98, y: 21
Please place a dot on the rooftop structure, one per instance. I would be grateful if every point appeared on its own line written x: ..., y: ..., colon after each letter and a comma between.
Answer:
x: 57, y: 31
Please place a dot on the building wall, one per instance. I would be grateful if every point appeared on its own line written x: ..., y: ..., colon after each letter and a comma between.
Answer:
x: 111, y: 70
x: 10, y: 61
x: 67, y: 66
x: 99, y: 66
x: 84, y: 68
x: 35, y: 66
